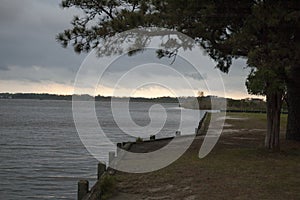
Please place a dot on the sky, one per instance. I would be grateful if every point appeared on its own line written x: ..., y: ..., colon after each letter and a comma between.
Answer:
x: 31, y: 61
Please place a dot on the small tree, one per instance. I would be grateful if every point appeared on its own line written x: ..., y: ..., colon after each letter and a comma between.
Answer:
x: 200, y: 94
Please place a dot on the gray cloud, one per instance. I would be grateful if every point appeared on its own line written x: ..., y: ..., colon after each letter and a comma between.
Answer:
x: 28, y: 34
x: 196, y: 76
x: 29, y: 52
x: 11, y: 10
x: 38, y: 74
x: 125, y: 63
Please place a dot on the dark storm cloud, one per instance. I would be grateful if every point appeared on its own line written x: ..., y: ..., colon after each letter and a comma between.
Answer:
x: 28, y: 35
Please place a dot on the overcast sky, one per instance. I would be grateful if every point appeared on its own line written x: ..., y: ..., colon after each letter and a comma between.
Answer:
x: 32, y: 61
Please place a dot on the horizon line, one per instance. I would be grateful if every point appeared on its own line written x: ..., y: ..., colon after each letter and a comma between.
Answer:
x: 26, y: 93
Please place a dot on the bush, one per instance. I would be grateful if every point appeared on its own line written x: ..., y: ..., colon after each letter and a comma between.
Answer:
x: 139, y: 140
x: 108, y: 186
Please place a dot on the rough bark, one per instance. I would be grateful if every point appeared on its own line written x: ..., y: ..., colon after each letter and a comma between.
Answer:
x: 274, y: 103
x: 293, y: 101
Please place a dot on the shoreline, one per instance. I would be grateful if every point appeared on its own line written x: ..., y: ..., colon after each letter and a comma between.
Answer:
x: 151, y: 145
x: 238, y: 166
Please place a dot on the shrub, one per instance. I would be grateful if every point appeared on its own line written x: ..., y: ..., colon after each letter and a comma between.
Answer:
x: 139, y: 140
x: 108, y: 186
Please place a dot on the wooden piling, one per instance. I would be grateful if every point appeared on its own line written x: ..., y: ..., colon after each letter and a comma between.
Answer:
x: 111, y: 157
x: 119, y: 147
x: 101, y: 169
x: 152, y: 137
x: 83, y: 189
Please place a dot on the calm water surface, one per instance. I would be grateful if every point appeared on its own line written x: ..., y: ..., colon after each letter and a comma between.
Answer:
x: 41, y: 155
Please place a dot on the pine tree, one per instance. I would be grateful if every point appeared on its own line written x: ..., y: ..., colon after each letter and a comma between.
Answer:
x: 266, y: 33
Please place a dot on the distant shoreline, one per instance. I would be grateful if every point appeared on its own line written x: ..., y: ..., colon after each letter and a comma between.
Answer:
x: 202, y: 103
x: 33, y: 96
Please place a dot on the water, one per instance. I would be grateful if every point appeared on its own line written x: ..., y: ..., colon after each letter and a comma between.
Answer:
x: 41, y: 155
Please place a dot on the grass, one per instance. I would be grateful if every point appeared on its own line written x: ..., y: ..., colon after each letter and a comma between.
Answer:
x: 107, y: 186
x: 254, y: 120
x: 238, y: 168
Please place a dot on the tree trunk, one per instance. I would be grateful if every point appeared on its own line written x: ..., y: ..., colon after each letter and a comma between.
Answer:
x: 293, y: 101
x: 274, y: 103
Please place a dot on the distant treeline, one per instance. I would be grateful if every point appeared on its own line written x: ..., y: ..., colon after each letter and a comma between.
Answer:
x: 83, y: 97
x: 203, y: 103
x: 232, y: 105
x: 35, y: 96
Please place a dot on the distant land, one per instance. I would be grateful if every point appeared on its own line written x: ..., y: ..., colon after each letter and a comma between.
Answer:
x: 86, y: 97
x: 204, y: 102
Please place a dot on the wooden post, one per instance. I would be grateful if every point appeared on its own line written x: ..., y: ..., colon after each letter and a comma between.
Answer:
x: 119, y: 147
x: 152, y: 137
x: 83, y: 189
x: 101, y: 169
x: 196, y: 131
x: 111, y: 156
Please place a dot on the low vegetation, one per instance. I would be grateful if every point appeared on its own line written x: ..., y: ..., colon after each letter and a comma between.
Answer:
x: 108, y: 186
x: 139, y: 140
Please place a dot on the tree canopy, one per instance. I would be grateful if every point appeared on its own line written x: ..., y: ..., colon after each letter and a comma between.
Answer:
x: 265, y: 32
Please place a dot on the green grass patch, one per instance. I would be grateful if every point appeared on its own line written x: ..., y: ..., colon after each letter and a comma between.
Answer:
x: 107, y: 186
x: 254, y: 120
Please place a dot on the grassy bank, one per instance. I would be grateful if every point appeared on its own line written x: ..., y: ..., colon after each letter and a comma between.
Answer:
x: 237, y: 168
